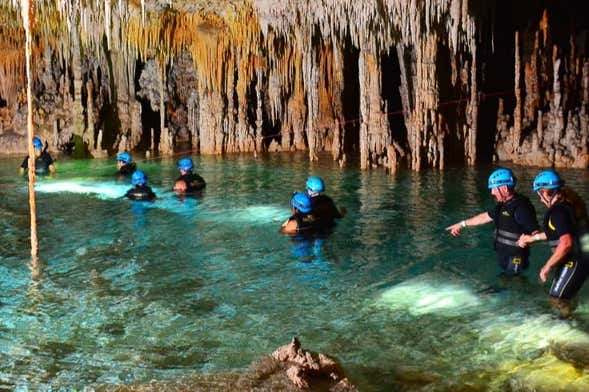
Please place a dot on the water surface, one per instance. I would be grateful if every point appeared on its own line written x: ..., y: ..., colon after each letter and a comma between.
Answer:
x: 129, y: 292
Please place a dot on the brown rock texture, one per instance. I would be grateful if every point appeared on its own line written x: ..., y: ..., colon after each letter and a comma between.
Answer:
x: 385, y: 83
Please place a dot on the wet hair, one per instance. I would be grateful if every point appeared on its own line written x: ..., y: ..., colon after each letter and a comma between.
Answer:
x: 578, y: 204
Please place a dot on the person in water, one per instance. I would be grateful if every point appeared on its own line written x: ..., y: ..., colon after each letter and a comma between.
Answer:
x: 561, y: 230
x: 125, y: 165
x: 513, y: 215
x: 301, y: 219
x: 43, y: 161
x: 188, y: 182
x: 140, y: 190
x: 323, y: 207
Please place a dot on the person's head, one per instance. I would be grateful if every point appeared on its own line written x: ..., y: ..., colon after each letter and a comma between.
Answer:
x: 548, y: 185
x: 315, y: 186
x: 185, y: 165
x: 301, y: 202
x: 123, y: 159
x: 502, y: 183
x: 37, y: 145
x: 138, y: 178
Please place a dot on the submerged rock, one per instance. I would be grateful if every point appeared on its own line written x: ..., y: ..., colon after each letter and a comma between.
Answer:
x: 289, y: 368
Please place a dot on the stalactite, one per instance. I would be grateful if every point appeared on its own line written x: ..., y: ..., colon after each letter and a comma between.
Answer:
x: 310, y: 82
x: 532, y: 88
x: 245, y: 140
x: 229, y: 124
x: 259, y: 112
x: 211, y: 114
x: 77, y: 114
x: 192, y: 107
x: 295, y: 50
x: 555, y: 117
x: 337, y: 84
x: 296, y: 110
x: 374, y: 128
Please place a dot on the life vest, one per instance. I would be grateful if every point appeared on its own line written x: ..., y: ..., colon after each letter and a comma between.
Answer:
x: 305, y: 222
x: 194, y: 182
x: 140, y: 192
x: 507, y: 230
x: 42, y: 163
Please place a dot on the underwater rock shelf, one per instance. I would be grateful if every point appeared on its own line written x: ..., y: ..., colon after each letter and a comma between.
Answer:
x: 398, y: 83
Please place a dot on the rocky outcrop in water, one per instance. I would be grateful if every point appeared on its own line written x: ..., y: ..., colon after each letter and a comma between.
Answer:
x: 394, y: 83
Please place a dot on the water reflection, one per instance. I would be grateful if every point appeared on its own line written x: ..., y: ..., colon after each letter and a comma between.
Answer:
x: 130, y: 293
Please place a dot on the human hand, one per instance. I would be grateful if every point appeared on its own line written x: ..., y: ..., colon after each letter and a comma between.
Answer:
x: 180, y: 186
x: 544, y: 273
x: 524, y: 240
x: 455, y: 229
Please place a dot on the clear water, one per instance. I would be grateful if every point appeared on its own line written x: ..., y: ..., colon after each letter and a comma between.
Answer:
x: 128, y: 292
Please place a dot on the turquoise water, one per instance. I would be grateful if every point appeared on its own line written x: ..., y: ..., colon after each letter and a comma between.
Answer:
x: 128, y: 292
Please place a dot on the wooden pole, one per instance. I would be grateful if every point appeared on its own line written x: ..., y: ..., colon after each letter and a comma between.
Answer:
x: 27, y: 11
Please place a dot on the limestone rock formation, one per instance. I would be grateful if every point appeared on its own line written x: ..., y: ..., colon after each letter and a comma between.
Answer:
x: 390, y: 83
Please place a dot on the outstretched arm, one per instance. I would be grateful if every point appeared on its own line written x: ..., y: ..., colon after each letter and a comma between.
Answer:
x: 476, y: 220
x: 526, y: 239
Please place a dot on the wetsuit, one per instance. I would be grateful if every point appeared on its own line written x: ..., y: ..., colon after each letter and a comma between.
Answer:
x: 127, y: 169
x: 305, y: 222
x: 512, y: 219
x: 42, y: 163
x: 572, y: 270
x: 324, y: 210
x: 140, y: 192
x: 194, y: 182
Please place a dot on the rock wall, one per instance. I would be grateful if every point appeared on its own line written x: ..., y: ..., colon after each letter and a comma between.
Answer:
x: 282, y: 76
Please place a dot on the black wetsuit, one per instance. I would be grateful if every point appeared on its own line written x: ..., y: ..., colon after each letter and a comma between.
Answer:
x: 194, y: 182
x: 127, y: 169
x: 572, y: 270
x: 513, y: 218
x: 306, y: 223
x: 42, y: 163
x: 140, y: 192
x: 324, y: 210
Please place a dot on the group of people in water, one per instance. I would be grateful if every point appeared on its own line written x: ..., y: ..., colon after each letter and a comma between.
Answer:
x: 189, y: 183
x: 565, y: 228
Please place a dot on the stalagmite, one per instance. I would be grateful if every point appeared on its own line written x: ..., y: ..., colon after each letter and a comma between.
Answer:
x: 165, y: 146
x: 88, y: 136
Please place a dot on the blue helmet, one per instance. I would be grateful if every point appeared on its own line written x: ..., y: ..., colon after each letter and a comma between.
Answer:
x: 502, y: 177
x: 185, y: 164
x: 315, y: 185
x: 547, y: 179
x: 301, y: 201
x: 37, y: 143
x: 124, y: 157
x: 138, y: 178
